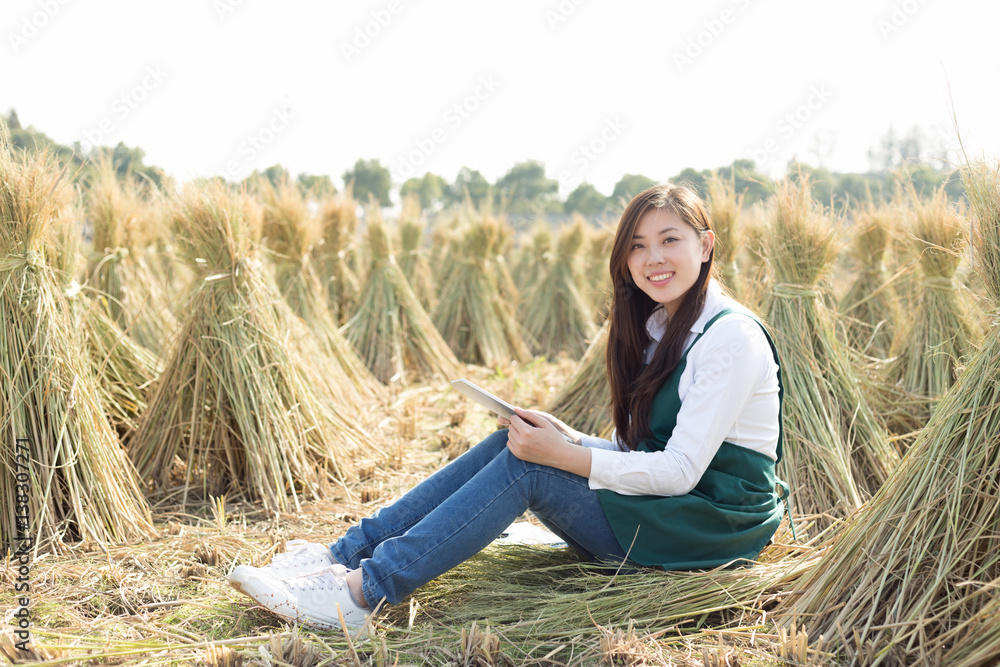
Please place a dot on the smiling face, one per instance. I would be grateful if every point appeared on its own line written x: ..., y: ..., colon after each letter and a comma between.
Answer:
x: 666, y: 255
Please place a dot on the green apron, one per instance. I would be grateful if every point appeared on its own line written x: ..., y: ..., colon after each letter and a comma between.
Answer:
x: 731, y: 513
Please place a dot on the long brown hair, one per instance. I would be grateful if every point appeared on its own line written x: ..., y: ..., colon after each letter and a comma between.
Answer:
x: 632, y: 388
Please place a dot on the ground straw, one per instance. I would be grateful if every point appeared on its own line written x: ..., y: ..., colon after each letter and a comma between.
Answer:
x: 911, y: 578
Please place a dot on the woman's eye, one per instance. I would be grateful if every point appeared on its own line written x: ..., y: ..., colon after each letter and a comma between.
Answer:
x: 670, y: 239
x: 636, y: 246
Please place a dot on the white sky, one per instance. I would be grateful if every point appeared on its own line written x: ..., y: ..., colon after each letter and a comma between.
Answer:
x: 228, y: 70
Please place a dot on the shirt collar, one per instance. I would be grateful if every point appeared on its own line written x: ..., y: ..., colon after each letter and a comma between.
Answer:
x: 656, y: 324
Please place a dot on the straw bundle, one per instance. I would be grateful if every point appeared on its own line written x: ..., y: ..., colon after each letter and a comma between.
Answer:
x: 598, y: 276
x: 77, y: 482
x: 390, y: 330
x: 835, y: 449
x: 237, y: 407
x: 334, y: 253
x: 585, y: 401
x: 123, y: 227
x: 751, y: 262
x: 472, y: 316
x: 939, y: 336
x: 869, y: 307
x: 534, y: 258
x: 123, y: 369
x: 501, y: 246
x: 724, y: 207
x: 291, y: 232
x: 557, y: 317
x: 412, y: 261
x: 912, y: 577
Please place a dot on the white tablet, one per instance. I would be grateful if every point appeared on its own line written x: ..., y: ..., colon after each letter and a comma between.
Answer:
x: 484, y: 398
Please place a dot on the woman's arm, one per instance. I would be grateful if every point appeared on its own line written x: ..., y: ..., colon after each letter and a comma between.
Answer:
x: 731, y: 362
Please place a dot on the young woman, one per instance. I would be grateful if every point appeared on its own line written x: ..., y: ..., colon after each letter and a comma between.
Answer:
x: 687, y: 482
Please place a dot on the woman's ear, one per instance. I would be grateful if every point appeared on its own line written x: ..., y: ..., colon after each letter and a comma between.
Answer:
x: 707, y: 243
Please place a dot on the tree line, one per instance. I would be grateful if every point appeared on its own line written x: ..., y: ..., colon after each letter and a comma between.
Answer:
x: 527, y: 191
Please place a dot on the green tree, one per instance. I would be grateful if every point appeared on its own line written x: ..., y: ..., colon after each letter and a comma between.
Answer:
x: 525, y: 187
x: 316, y: 185
x: 430, y: 189
x: 468, y: 183
x: 694, y: 178
x: 629, y: 186
x: 752, y: 184
x: 586, y: 200
x: 370, y: 178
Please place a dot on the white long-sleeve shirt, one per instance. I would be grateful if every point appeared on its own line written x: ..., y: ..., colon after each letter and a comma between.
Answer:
x: 728, y: 392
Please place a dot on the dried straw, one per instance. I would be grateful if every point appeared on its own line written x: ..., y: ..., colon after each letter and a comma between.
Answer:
x: 390, y: 330
x: 835, y: 449
x: 123, y: 368
x: 291, y: 232
x: 912, y: 577
x: 939, y: 337
x: 535, y: 258
x: 724, y: 207
x: 80, y: 485
x: 123, y: 227
x: 473, y: 317
x: 557, y: 318
x: 237, y: 406
x: 598, y: 281
x: 585, y: 400
x: 334, y: 255
x: 869, y: 307
x: 413, y: 262
x: 573, y: 600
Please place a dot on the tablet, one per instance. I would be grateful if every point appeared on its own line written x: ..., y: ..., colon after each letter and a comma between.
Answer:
x: 484, y: 398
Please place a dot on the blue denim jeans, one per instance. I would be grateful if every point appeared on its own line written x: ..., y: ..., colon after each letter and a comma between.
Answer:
x: 460, y: 509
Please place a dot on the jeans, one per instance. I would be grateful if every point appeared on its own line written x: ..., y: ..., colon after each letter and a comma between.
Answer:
x: 460, y: 509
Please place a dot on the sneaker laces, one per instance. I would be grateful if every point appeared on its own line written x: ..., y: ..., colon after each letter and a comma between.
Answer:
x: 302, y: 556
x: 332, y: 577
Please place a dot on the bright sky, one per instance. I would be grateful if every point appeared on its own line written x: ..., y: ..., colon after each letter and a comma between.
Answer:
x: 592, y: 88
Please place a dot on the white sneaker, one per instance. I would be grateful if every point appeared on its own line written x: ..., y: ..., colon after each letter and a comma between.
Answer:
x: 311, y: 600
x: 300, y: 557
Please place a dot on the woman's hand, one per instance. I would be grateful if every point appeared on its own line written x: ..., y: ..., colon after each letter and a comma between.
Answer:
x: 571, y: 433
x: 533, y: 437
